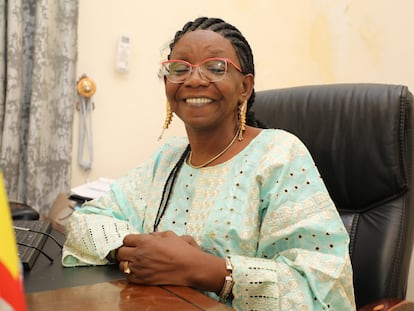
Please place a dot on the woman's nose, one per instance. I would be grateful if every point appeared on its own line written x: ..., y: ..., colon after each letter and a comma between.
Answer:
x: 195, y: 78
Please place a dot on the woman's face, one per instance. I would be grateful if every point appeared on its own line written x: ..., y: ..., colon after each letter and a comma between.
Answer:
x: 204, y: 105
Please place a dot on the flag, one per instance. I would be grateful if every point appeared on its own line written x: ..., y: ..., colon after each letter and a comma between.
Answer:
x: 11, y: 285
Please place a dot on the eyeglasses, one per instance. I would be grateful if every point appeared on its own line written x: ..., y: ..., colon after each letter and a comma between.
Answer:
x: 210, y: 69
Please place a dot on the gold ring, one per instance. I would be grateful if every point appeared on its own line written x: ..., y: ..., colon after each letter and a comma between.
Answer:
x: 126, y: 267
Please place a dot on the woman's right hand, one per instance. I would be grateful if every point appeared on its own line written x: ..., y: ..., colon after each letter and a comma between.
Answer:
x: 190, y: 240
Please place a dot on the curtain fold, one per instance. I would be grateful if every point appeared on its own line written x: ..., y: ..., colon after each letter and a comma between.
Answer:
x: 39, y: 69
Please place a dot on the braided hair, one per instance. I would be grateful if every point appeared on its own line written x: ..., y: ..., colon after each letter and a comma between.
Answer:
x: 239, y: 43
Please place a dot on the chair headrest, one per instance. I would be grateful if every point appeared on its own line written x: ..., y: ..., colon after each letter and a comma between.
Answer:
x: 355, y: 133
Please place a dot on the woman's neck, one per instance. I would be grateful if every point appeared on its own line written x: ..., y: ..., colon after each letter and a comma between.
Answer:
x: 210, y: 140
x: 217, y: 156
x: 217, y: 147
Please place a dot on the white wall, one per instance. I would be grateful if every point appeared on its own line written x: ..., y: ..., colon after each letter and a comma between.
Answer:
x: 295, y: 42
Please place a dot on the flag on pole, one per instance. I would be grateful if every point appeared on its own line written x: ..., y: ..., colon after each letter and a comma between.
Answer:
x: 11, y: 285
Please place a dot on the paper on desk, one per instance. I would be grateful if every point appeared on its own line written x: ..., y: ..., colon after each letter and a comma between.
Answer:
x: 93, y: 189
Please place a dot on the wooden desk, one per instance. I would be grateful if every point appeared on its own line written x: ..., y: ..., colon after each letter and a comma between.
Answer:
x: 122, y: 296
x: 49, y: 286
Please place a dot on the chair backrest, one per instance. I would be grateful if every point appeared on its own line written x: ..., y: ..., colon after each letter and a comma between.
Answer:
x: 360, y: 138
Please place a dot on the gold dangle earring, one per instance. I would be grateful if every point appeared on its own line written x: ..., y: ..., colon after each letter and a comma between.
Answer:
x: 167, y: 121
x: 242, y: 119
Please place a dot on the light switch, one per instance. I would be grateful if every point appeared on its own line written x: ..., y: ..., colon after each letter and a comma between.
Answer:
x: 123, y: 53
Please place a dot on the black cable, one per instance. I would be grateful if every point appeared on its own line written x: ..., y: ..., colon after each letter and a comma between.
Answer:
x: 36, y: 248
x: 41, y: 232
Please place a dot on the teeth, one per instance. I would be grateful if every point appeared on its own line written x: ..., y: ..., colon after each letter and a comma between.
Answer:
x: 198, y: 101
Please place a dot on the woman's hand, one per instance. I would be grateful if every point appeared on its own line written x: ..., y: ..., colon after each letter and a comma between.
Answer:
x: 188, y: 238
x: 164, y: 258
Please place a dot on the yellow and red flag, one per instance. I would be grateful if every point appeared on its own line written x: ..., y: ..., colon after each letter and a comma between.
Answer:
x: 11, y: 285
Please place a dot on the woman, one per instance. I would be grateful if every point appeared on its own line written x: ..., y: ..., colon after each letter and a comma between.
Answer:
x: 233, y: 210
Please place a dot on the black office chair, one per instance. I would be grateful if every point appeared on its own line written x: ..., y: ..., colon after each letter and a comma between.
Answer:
x: 360, y: 138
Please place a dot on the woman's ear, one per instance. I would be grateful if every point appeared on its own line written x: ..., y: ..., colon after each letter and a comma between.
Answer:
x: 247, y: 87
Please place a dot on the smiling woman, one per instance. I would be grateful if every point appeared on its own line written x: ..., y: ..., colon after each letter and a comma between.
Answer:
x: 210, y: 111
x: 234, y: 210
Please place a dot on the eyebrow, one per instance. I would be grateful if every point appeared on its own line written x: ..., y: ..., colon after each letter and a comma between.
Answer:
x: 212, y: 50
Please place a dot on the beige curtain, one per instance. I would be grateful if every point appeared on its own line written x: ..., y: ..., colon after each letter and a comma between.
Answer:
x: 38, y: 52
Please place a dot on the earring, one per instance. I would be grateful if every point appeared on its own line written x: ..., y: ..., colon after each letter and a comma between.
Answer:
x: 242, y: 119
x: 167, y: 121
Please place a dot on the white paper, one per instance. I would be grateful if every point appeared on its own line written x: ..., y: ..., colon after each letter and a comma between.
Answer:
x: 93, y: 189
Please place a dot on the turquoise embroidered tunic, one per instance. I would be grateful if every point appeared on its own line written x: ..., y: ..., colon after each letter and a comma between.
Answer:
x: 267, y: 209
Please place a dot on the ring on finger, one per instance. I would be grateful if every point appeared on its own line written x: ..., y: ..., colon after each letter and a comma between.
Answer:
x: 127, y: 270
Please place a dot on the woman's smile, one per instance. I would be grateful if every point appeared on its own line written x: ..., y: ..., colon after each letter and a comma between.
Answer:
x: 198, y: 101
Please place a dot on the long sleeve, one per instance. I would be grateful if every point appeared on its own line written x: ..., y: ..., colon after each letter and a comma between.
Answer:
x: 302, y: 260
x: 99, y: 226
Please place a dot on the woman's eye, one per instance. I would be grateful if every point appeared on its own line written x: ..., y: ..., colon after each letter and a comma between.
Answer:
x: 216, y: 68
x: 179, y: 69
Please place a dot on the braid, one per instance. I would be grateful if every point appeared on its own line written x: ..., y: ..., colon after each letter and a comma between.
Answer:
x: 169, y: 184
x: 240, y: 44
